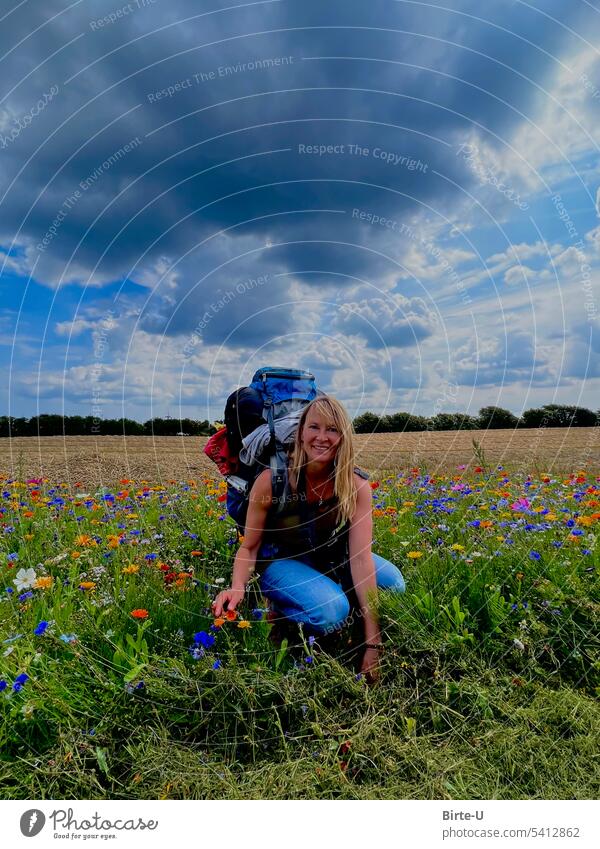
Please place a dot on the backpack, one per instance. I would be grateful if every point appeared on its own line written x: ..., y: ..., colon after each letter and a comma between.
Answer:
x: 260, y: 426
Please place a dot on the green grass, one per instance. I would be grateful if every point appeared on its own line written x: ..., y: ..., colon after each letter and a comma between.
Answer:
x: 489, y: 679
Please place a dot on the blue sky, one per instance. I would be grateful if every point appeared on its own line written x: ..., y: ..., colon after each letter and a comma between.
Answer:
x: 400, y: 196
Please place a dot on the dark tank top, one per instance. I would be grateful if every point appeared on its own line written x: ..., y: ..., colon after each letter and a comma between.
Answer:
x: 306, y: 531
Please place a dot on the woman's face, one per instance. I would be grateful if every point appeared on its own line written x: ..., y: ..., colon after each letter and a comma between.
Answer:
x: 320, y: 438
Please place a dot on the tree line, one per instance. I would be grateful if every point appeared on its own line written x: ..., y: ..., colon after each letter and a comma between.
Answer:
x: 49, y: 424
x: 550, y: 415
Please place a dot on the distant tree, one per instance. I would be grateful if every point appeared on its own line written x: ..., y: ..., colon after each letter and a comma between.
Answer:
x: 496, y: 417
x: 453, y: 421
x: 367, y: 423
x: 400, y: 422
x: 559, y: 415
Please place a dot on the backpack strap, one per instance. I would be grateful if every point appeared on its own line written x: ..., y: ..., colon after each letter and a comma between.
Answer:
x: 361, y: 473
x: 279, y: 482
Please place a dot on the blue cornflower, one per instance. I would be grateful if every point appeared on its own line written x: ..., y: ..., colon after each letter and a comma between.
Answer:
x: 205, y: 639
x: 139, y: 686
x: 474, y: 524
x: 311, y: 640
x: 577, y: 532
x: 25, y: 596
x: 534, y: 555
x: 22, y: 678
x: 196, y: 652
x: 570, y: 523
x: 9, y: 590
x: 217, y: 664
x: 151, y: 556
x: 3, y: 685
x: 308, y: 659
x: 12, y: 557
x: 585, y: 551
x: 557, y: 544
x: 41, y: 627
x: 68, y: 638
x: 258, y: 613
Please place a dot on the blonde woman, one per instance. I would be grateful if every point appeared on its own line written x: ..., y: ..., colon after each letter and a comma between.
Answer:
x: 315, y: 548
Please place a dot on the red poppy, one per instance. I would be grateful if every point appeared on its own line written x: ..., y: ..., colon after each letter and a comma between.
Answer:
x: 139, y: 613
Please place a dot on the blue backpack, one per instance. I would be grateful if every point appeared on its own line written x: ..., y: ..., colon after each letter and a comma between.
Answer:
x: 266, y: 412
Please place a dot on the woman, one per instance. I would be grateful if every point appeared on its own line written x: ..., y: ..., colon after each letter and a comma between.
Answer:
x: 318, y: 543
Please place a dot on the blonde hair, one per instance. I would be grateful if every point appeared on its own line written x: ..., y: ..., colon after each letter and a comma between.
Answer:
x: 344, y: 486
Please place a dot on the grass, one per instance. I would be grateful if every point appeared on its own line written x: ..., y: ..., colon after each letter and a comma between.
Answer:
x: 489, y: 678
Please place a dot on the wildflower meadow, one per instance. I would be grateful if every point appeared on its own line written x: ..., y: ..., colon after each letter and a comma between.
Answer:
x: 116, y: 682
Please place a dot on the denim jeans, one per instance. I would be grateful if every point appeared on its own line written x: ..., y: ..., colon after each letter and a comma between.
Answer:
x: 305, y: 595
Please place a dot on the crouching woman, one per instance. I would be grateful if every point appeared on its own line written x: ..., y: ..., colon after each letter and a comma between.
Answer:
x: 314, y: 550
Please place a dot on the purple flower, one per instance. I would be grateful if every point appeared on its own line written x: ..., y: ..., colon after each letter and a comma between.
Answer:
x: 308, y: 659
x: 25, y: 596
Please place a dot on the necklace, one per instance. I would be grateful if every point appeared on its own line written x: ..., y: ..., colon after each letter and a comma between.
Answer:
x: 320, y: 492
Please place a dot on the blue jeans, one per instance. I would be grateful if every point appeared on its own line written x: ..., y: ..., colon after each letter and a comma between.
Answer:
x: 305, y: 595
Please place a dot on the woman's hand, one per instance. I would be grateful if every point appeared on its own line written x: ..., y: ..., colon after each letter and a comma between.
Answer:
x: 229, y: 597
x: 370, y: 665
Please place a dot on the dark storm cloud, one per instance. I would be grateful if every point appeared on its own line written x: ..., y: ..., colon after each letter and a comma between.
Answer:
x: 235, y: 121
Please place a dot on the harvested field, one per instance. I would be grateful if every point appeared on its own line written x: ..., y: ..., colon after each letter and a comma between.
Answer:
x: 104, y: 460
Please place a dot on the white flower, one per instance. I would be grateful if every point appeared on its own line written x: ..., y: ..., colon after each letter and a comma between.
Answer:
x: 518, y: 645
x: 8, y: 651
x: 25, y: 579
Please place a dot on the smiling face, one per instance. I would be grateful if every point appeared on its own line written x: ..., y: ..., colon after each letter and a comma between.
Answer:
x: 320, y: 438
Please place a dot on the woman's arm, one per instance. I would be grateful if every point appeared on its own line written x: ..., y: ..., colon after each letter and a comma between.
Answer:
x: 362, y: 569
x: 245, y: 558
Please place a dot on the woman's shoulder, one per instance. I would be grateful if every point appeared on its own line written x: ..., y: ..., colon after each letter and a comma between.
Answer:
x: 361, y: 479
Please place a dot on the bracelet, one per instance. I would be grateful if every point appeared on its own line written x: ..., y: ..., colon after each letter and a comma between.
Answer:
x: 374, y: 645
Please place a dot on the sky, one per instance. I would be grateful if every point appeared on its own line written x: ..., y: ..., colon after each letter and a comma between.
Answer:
x: 399, y: 196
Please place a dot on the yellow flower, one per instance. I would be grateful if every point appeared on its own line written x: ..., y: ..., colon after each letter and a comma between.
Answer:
x: 75, y: 554
x: 457, y: 547
x: 243, y: 623
x: 414, y: 554
x: 44, y: 583
x: 130, y: 570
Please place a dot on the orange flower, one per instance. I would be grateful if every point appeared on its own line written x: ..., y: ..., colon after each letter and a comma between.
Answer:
x: 75, y: 554
x: 243, y: 623
x: 219, y: 622
x: 196, y: 553
x: 130, y: 570
x: 230, y: 615
x: 84, y: 539
x: 87, y: 585
x: 28, y: 513
x: 485, y: 524
x: 43, y: 583
x: 139, y: 613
